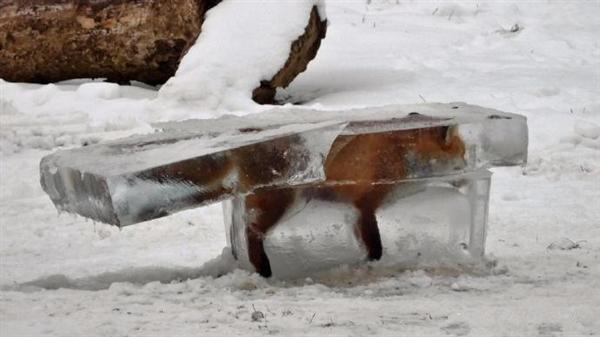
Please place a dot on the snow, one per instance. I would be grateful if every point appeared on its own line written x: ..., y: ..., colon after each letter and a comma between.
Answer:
x: 135, y: 281
x: 587, y: 129
x: 96, y: 90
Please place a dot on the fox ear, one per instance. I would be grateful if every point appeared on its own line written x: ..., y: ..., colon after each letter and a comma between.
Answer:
x: 447, y: 133
x: 444, y: 133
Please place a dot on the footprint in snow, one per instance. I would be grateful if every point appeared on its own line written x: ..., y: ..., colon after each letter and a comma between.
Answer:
x: 457, y: 329
x: 549, y: 329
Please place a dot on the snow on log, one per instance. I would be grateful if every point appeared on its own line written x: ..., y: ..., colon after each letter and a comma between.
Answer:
x: 46, y: 41
x: 266, y: 46
x: 248, y: 47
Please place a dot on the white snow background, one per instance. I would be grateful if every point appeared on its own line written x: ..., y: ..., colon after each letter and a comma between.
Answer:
x: 65, y: 276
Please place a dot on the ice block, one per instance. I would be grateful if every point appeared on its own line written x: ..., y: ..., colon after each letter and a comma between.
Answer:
x: 432, y: 222
x: 494, y: 138
x: 139, y: 178
x: 192, y: 163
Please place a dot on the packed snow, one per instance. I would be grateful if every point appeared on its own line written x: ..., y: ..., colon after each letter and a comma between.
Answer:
x: 63, y: 275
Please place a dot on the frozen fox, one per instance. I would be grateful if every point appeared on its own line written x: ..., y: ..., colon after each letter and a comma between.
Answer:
x: 354, y: 163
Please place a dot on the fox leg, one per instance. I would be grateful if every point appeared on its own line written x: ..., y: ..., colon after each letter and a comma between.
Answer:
x: 368, y: 232
x: 266, y: 208
x: 367, y: 228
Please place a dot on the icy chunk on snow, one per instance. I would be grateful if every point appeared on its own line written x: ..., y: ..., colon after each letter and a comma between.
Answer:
x: 587, y: 129
x: 564, y: 244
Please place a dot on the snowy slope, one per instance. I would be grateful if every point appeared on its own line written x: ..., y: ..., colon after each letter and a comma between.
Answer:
x: 160, y: 277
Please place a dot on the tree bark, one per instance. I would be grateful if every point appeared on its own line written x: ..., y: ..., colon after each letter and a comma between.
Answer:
x: 45, y: 41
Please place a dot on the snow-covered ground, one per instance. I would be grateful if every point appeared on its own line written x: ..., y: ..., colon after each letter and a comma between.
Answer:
x: 65, y: 276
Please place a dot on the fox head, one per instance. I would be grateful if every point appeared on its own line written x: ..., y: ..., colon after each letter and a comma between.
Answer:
x: 431, y: 151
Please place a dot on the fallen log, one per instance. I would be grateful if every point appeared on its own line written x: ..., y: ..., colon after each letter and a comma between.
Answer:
x: 44, y: 41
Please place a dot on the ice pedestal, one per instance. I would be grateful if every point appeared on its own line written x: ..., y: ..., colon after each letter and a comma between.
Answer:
x: 309, y: 189
x: 433, y: 222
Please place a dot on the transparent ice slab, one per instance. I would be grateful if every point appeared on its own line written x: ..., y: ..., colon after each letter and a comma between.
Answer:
x: 434, y: 222
x: 192, y: 163
x: 498, y: 138
x: 140, y: 178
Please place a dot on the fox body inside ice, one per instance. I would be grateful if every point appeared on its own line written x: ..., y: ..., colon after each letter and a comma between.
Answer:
x: 353, y: 165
